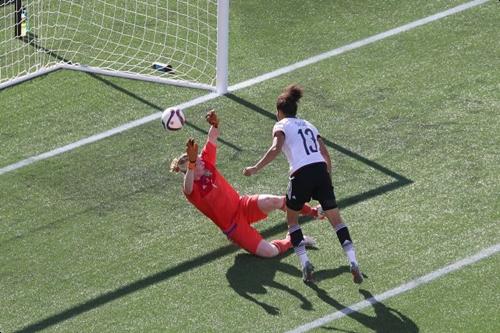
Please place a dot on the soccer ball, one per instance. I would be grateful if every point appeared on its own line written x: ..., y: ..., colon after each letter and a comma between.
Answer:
x: 173, y: 119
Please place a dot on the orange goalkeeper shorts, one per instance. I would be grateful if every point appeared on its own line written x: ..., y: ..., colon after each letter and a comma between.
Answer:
x: 240, y: 231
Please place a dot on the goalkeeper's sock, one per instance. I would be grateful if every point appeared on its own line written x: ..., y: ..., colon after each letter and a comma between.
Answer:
x: 297, y: 239
x: 346, y: 242
x: 309, y: 211
x: 283, y: 245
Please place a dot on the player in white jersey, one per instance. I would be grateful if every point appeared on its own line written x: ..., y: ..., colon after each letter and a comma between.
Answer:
x: 310, y: 177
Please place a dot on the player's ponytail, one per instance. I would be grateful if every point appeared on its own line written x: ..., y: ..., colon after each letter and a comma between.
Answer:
x: 288, y: 99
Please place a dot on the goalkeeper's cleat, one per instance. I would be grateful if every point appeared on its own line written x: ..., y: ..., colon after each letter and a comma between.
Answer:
x: 319, y: 213
x: 307, y: 273
x: 309, y: 241
x: 357, y: 276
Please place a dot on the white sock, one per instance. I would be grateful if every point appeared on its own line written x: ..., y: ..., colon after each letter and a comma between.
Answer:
x: 350, y: 253
x: 300, y: 251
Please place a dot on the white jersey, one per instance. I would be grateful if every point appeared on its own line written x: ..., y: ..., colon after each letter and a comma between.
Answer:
x: 301, y: 145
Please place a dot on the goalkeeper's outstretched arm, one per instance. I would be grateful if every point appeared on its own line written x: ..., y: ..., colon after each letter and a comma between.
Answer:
x: 192, y: 154
x: 213, y: 132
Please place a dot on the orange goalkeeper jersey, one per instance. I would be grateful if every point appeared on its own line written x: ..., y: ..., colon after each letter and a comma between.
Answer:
x: 212, y: 194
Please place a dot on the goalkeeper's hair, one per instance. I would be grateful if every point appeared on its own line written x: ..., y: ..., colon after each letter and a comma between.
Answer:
x: 179, y: 164
x: 288, y: 99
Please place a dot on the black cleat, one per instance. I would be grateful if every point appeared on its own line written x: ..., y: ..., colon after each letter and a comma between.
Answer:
x: 357, y: 277
x: 307, y: 273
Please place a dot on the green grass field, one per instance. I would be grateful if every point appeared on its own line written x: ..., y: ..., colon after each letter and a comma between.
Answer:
x: 101, y: 239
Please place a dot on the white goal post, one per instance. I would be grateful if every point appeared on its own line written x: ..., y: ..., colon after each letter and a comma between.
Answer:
x: 179, y: 42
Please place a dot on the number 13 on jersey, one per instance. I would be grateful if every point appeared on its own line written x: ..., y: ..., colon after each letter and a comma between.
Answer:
x: 309, y: 141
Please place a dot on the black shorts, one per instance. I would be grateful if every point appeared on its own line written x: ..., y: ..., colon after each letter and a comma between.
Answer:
x: 310, y: 181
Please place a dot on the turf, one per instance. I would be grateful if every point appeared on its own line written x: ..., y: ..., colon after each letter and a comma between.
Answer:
x: 101, y: 238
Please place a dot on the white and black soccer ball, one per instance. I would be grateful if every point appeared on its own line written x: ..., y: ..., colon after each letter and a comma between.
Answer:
x: 173, y: 119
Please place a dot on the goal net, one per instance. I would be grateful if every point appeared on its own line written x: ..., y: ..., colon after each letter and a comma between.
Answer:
x: 181, y: 42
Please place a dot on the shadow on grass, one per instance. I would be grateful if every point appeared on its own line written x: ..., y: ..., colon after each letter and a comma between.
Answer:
x: 250, y: 275
x: 145, y: 282
x: 247, y: 282
x: 190, y: 265
x: 329, y: 143
x: 224, y: 251
x: 386, y: 319
x: 31, y: 39
x: 399, y: 180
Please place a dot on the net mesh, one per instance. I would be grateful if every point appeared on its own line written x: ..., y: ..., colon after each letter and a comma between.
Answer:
x: 117, y: 35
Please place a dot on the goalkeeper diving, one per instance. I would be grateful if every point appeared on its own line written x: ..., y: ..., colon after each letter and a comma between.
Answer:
x: 233, y: 213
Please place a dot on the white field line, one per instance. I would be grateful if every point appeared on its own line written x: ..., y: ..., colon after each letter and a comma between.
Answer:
x: 102, y: 135
x: 244, y: 84
x: 357, y: 44
x: 485, y: 253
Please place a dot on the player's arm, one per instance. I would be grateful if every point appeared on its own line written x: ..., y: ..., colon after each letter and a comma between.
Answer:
x: 188, y: 181
x: 269, y: 156
x: 213, y: 132
x: 324, y: 152
x: 192, y: 152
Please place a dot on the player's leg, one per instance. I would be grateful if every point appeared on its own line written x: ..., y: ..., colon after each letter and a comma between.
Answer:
x: 255, y: 208
x: 297, y: 195
x: 245, y: 236
x: 268, y: 203
x: 249, y: 239
x: 326, y: 197
x: 345, y: 240
x: 269, y: 250
x: 307, y: 210
x: 279, y: 246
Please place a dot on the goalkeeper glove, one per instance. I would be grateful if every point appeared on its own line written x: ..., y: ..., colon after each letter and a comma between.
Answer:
x: 192, y: 152
x: 212, y: 118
